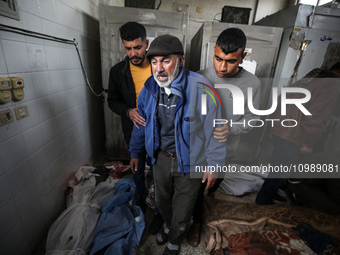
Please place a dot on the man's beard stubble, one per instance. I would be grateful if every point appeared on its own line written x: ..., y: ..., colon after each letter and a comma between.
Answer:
x: 137, y: 57
x: 170, y: 79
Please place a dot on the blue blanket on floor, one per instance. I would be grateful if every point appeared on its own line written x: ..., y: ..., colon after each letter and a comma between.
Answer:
x: 121, y: 223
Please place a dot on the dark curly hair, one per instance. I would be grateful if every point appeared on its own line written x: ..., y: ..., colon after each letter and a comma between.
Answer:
x: 131, y: 31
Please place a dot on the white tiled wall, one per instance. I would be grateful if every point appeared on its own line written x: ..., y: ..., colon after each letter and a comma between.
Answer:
x: 64, y: 129
x: 39, y: 153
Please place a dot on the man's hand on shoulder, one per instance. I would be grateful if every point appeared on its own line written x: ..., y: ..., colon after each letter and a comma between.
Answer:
x: 221, y: 133
x: 136, y: 118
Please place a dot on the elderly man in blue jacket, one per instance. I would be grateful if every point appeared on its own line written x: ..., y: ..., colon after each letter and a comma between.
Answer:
x: 177, y: 135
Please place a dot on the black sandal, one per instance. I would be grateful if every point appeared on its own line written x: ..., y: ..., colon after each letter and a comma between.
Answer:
x: 164, y: 237
x: 167, y: 251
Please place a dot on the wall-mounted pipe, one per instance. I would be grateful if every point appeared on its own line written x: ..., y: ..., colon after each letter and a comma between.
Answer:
x: 255, y: 10
x: 55, y: 39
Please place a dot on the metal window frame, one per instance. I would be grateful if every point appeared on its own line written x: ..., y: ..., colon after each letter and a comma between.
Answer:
x: 9, y: 8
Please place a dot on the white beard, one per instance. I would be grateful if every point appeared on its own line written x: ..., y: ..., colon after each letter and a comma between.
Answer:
x: 170, y: 79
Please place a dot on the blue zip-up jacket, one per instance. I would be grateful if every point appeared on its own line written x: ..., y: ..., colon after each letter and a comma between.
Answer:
x: 195, y: 145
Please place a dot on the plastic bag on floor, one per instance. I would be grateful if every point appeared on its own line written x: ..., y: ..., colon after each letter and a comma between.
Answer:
x: 72, y: 232
x: 121, y: 224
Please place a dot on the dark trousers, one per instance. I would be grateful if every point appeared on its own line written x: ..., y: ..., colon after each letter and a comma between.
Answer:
x: 318, y: 193
x: 175, y: 195
x: 284, y: 153
x: 197, y: 215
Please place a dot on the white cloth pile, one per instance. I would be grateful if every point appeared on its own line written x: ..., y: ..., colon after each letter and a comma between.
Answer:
x: 72, y: 232
x: 243, y: 181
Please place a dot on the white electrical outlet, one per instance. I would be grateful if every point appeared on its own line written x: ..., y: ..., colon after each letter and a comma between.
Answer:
x: 21, y: 111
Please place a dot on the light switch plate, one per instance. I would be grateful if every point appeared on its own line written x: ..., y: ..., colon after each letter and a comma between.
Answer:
x: 21, y: 111
x: 177, y: 7
x: 6, y: 117
x: 199, y: 9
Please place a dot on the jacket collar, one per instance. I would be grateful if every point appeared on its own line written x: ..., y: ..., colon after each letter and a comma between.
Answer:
x: 126, y: 67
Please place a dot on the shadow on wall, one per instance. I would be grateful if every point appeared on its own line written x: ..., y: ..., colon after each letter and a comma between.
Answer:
x: 91, y: 53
